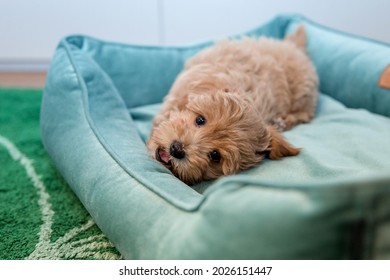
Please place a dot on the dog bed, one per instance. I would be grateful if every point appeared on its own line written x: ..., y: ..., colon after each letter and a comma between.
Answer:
x: 330, y: 202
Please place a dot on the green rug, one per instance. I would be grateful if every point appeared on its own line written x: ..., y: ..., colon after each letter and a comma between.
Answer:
x: 40, y: 217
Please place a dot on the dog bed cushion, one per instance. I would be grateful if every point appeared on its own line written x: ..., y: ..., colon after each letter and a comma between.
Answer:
x: 330, y: 202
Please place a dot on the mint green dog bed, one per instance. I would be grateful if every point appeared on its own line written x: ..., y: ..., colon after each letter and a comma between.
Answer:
x: 330, y: 202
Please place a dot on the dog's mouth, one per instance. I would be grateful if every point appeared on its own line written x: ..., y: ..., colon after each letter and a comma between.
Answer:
x: 163, y: 157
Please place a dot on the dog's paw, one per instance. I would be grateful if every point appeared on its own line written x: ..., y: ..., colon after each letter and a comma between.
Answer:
x: 279, y: 124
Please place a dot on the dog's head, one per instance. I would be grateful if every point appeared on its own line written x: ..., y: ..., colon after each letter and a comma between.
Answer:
x: 216, y: 134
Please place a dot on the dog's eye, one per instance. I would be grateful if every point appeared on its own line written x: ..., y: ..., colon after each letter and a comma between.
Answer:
x: 200, y: 120
x: 215, y: 156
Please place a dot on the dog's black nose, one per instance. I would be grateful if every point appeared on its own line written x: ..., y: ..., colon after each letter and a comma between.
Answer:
x: 176, y: 150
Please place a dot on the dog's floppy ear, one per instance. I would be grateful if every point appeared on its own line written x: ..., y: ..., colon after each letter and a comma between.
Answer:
x: 279, y: 147
x: 230, y: 162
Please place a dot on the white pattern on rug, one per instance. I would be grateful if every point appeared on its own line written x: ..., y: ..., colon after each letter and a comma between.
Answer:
x: 62, y: 248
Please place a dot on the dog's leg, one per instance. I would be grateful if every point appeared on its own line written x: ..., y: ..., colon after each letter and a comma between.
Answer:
x: 296, y: 118
x: 302, y: 109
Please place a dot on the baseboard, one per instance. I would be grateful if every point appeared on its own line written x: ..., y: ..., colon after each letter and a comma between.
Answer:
x: 24, y: 65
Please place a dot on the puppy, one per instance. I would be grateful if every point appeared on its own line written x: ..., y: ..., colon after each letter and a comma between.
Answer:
x: 225, y: 111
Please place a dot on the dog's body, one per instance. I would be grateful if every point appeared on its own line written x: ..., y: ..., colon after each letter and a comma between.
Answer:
x: 225, y: 109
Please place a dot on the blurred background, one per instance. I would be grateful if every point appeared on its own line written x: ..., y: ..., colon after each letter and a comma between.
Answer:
x: 30, y: 30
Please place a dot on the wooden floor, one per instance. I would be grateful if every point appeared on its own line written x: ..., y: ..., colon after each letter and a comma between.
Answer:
x: 22, y: 80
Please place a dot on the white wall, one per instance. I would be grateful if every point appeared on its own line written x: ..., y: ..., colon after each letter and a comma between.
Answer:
x: 188, y: 21
x: 30, y: 30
